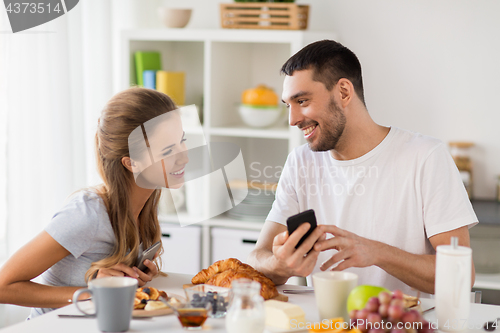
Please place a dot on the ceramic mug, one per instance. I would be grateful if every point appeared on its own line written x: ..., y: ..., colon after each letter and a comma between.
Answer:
x: 331, y: 290
x: 113, y: 299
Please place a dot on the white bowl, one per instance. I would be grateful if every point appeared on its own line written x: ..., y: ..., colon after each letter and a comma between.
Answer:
x: 174, y: 17
x: 259, y: 116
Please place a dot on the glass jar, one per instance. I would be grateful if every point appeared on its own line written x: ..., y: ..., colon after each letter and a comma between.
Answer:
x: 246, y: 313
x: 461, y: 155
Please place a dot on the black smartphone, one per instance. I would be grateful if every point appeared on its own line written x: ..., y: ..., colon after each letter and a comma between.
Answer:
x: 147, y: 254
x: 295, y: 221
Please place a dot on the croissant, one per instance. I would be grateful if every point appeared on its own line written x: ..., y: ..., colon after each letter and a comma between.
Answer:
x: 218, y: 267
x: 223, y: 272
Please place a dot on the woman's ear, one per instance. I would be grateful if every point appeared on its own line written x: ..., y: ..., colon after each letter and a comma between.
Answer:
x: 128, y: 163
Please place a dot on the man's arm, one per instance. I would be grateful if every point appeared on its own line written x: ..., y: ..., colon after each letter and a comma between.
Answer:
x: 417, y: 271
x: 275, y: 254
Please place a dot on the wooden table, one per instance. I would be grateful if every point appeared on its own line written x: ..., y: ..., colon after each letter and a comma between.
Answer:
x: 50, y: 322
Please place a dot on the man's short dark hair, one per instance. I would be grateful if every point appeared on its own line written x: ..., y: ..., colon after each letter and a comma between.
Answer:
x: 330, y: 61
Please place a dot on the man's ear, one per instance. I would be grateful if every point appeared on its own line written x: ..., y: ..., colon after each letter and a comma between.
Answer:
x: 346, y: 91
x: 128, y: 163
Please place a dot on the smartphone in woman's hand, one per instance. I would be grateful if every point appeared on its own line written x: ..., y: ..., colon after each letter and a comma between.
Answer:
x: 149, y: 253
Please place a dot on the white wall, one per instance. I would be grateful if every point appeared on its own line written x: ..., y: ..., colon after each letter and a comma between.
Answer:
x: 429, y: 66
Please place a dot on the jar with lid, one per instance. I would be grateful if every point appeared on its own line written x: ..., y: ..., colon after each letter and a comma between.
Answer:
x: 246, y: 313
x: 460, y: 151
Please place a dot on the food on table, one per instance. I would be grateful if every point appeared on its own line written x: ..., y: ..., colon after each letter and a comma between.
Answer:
x: 260, y: 95
x: 155, y: 305
x: 218, y: 302
x: 329, y: 326
x: 221, y: 273
x: 389, y: 308
x: 192, y: 317
x: 283, y: 315
x: 359, y: 296
x: 146, y: 294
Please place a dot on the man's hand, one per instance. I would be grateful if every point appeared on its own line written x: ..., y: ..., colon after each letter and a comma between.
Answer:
x: 296, y: 262
x: 353, y: 250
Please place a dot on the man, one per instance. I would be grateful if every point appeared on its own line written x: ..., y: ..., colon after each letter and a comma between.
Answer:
x: 384, y: 198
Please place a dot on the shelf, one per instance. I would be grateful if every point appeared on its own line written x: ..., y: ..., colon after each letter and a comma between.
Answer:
x: 248, y: 132
x: 227, y: 35
x: 219, y: 64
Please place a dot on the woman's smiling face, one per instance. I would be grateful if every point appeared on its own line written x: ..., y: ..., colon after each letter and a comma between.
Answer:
x: 164, y: 162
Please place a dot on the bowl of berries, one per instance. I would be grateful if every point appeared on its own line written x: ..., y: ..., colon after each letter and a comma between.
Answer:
x: 218, y: 297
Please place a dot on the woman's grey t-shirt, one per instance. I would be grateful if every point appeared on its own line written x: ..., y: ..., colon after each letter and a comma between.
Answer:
x: 83, y: 228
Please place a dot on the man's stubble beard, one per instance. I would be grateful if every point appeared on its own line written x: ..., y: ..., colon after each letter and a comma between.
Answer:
x: 331, y: 129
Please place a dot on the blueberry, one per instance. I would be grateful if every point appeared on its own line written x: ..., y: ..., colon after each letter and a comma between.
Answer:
x: 143, y: 301
x: 147, y: 291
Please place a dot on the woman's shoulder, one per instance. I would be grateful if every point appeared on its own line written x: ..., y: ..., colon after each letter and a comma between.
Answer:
x: 85, y: 202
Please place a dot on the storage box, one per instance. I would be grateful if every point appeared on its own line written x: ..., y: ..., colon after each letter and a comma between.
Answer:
x: 264, y: 15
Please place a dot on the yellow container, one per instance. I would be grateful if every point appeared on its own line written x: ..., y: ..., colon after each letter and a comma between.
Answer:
x: 172, y: 84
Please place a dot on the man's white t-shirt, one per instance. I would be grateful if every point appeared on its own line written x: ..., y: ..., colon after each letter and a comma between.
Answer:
x: 404, y: 191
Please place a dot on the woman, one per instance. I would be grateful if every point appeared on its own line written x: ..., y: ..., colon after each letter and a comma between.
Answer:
x: 98, y: 233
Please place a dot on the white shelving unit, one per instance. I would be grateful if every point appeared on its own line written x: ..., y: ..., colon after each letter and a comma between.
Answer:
x: 220, y: 64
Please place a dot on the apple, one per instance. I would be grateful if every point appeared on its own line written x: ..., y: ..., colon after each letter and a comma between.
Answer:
x: 359, y: 296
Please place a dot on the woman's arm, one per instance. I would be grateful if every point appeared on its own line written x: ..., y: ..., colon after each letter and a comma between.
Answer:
x: 27, y: 263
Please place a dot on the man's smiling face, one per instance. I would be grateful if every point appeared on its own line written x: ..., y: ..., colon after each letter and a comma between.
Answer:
x: 313, y: 109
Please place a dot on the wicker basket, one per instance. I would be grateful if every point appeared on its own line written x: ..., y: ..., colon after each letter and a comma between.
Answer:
x: 268, y: 15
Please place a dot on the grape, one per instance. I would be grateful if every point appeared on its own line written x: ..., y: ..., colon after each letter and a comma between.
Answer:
x: 409, y: 317
x: 397, y: 294
x: 397, y: 302
x: 372, y: 304
x: 363, y: 314
x: 384, y: 297
x: 362, y: 327
x: 353, y: 314
x: 398, y: 330
x: 376, y: 330
x: 418, y: 316
x: 383, y: 310
x: 395, y: 312
x: 374, y: 318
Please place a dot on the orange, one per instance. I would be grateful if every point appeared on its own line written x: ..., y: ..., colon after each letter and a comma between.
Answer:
x: 260, y: 95
x: 328, y: 326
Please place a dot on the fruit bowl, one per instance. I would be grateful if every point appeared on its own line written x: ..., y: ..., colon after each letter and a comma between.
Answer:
x: 259, y: 116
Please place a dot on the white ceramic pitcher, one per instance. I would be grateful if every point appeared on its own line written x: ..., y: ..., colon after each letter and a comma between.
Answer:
x: 453, y: 286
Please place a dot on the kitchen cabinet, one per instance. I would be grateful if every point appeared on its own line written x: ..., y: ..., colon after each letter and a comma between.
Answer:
x: 181, y: 249
x: 219, y: 64
x: 231, y: 243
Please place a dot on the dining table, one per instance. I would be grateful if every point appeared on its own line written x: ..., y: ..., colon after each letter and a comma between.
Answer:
x: 173, y: 284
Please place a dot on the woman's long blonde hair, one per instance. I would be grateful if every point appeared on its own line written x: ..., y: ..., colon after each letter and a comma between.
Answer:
x: 122, y: 114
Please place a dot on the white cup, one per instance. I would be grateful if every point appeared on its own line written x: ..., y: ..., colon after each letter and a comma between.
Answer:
x: 331, y: 290
x: 453, y: 286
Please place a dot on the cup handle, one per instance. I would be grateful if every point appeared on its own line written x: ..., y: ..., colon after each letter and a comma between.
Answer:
x: 76, y: 295
x: 458, y: 284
